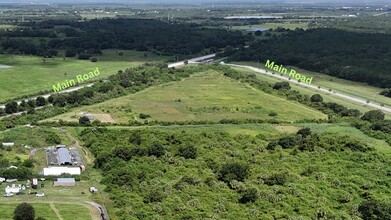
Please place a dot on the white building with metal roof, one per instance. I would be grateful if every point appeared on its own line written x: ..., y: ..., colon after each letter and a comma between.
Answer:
x: 57, y: 171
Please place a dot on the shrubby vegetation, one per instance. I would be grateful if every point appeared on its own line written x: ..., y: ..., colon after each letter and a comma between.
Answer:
x: 153, y: 172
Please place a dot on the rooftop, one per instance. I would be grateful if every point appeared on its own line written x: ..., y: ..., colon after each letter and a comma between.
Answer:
x: 66, y: 180
x: 63, y: 155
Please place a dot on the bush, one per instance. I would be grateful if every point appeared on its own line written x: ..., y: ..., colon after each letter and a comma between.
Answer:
x: 24, y: 211
x: 316, y: 98
x: 304, y: 132
x: 188, y: 152
x: 233, y: 171
x: 282, y: 86
x: 249, y: 195
x: 287, y: 142
x: 276, y: 179
x: 144, y: 116
x: 93, y: 59
x: 272, y: 145
x: 373, y: 116
x: 156, y: 150
x: 84, y: 120
x: 272, y: 114
x: 28, y: 163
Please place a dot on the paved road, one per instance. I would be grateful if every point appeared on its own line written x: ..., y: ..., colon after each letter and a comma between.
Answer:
x: 102, y: 211
x: 194, y: 60
x: 347, y: 97
x: 49, y: 94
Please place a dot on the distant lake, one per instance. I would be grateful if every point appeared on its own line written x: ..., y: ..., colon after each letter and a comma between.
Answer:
x: 4, y: 66
x: 257, y: 29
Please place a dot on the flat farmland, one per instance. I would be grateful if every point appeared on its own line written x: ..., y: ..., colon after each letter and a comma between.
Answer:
x: 30, y: 74
x: 46, y: 210
x: 203, y: 96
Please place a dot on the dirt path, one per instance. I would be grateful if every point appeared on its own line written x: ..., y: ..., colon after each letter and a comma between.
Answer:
x: 56, y: 211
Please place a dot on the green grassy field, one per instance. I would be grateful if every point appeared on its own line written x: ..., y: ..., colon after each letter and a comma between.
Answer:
x: 46, y: 210
x: 359, y: 90
x: 29, y: 74
x: 204, y: 96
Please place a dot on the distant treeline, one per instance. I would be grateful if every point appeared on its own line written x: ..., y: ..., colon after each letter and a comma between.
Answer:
x: 131, y: 34
x: 359, y: 57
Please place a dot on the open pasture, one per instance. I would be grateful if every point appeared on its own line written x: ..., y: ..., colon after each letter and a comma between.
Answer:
x: 204, y: 96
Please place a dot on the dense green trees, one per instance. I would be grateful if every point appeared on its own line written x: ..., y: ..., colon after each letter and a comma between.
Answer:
x: 375, y: 210
x: 316, y: 98
x: 87, y: 39
x: 11, y: 107
x: 281, y: 86
x: 40, y: 101
x: 355, y: 56
x: 20, y: 173
x: 84, y: 120
x: 24, y: 211
x: 373, y: 116
x: 233, y: 171
x: 188, y: 152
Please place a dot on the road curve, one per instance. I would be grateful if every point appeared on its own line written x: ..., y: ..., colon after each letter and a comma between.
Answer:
x: 350, y: 98
x: 102, y: 211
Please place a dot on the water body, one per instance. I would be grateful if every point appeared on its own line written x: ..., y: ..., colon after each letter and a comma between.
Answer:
x: 257, y: 29
x: 5, y: 66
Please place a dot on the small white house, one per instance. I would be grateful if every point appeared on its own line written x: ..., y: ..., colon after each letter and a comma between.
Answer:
x: 2, y: 179
x: 9, y: 144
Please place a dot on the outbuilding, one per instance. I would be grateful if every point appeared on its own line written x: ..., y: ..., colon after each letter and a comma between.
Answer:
x: 89, y: 116
x: 64, y: 157
x: 57, y: 171
x: 65, y: 182
x: 9, y: 144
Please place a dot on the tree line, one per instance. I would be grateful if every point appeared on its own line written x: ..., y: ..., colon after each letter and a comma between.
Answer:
x: 88, y: 38
x: 360, y: 57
